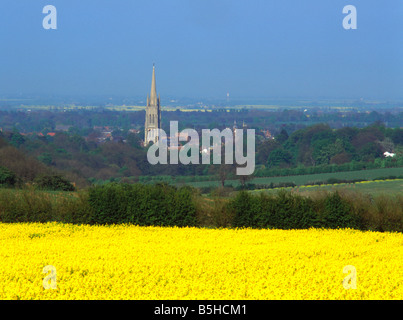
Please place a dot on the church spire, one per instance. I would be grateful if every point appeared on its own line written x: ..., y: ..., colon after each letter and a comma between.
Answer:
x: 153, y: 94
x: 153, y: 113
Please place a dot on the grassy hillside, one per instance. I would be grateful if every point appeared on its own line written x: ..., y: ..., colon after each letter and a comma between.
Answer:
x: 376, y: 187
x: 311, y: 178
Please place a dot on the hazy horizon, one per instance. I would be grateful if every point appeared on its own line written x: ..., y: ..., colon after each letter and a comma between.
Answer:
x: 203, y: 49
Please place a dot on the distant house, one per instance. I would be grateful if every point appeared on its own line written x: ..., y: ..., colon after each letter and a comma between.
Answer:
x: 52, y: 134
x: 134, y: 131
x: 106, y: 134
x: 388, y: 154
x: 267, y: 134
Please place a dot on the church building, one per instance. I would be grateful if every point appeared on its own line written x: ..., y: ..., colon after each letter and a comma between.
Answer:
x: 153, y: 114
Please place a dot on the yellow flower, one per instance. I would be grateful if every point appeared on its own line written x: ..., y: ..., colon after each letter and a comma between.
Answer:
x: 131, y: 262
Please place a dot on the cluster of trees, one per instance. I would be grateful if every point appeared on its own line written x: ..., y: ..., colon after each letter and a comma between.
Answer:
x: 158, y: 204
x: 164, y: 205
x: 321, y: 145
x: 285, y: 210
x: 18, y: 169
x: 83, y: 160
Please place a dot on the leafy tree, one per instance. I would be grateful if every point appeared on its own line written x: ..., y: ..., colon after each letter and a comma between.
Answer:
x: 397, y: 136
x: 16, y: 139
x: 134, y: 140
x: 282, y: 136
x: 338, y: 213
x: 224, y: 171
x: 264, y: 149
x: 370, y: 151
x: 46, y: 158
x: 53, y: 182
x: 323, y: 154
x: 340, y: 158
x: 24, y: 166
x: 386, y: 145
x: 279, y: 157
x: 7, y: 177
x: 347, y: 134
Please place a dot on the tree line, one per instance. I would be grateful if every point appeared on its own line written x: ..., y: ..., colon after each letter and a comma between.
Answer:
x: 315, y: 149
x: 164, y: 205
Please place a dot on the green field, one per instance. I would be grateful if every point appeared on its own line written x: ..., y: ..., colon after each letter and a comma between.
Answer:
x: 376, y: 187
x: 310, y: 178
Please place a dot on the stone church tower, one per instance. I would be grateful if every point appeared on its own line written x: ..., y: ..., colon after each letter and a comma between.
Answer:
x: 153, y: 114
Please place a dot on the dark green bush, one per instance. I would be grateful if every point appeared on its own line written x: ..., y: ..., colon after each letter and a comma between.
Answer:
x: 31, y: 205
x: 73, y: 208
x: 25, y: 206
x: 53, y: 182
x: 244, y: 206
x: 386, y: 213
x: 163, y: 205
x: 282, y: 211
x: 7, y: 177
x: 293, y: 211
x: 159, y: 204
x: 286, y: 210
x: 338, y: 213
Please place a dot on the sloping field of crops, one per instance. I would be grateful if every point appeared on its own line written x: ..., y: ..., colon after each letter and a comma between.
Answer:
x: 375, y: 187
x: 311, y: 178
x: 131, y: 262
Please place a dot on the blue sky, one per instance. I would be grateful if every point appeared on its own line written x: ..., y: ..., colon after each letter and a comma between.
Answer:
x: 203, y: 48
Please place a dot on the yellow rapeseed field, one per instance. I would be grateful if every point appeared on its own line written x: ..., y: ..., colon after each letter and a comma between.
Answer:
x: 131, y: 262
